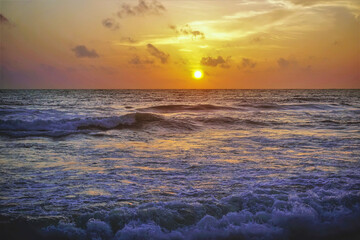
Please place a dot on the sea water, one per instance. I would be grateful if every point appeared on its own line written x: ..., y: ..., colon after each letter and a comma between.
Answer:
x: 180, y: 164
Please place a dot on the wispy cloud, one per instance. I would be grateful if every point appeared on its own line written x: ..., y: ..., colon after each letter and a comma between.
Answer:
x: 187, y: 30
x: 248, y: 63
x: 82, y: 51
x: 214, y: 62
x: 285, y: 63
x: 136, y: 60
x: 128, y: 40
x: 110, y: 23
x: 143, y: 7
x: 309, y: 2
x: 157, y: 53
x: 245, y: 14
x: 4, y: 20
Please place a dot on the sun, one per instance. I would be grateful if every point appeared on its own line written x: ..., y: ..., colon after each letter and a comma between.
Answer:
x: 198, y: 74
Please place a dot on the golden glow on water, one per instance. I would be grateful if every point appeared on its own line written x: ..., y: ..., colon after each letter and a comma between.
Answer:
x: 95, y: 192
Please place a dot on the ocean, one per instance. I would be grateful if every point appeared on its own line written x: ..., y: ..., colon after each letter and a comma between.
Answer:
x: 180, y: 164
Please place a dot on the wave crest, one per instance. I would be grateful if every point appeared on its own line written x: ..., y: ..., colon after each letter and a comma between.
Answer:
x: 245, y: 216
x: 58, y: 128
x: 184, y: 108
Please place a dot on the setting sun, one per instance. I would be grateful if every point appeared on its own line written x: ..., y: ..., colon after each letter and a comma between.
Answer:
x: 198, y: 74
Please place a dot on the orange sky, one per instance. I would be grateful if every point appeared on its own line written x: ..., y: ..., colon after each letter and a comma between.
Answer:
x: 159, y: 44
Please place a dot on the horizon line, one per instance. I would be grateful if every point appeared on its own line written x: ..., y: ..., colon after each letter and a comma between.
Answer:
x: 179, y: 89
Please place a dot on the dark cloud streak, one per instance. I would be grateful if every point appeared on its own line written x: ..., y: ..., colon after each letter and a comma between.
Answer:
x: 309, y: 2
x: 214, y: 62
x: 143, y: 7
x: 128, y: 39
x: 186, y: 30
x: 284, y: 63
x: 157, y: 53
x: 136, y: 60
x: 248, y: 63
x: 110, y: 23
x: 82, y: 51
x: 4, y: 20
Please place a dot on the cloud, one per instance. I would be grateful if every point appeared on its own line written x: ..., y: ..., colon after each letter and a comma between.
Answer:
x: 82, y: 51
x: 136, y: 60
x: 308, y: 2
x: 173, y: 27
x: 257, y: 39
x: 186, y: 30
x: 248, y: 63
x: 284, y: 63
x: 143, y: 7
x: 110, y: 23
x: 213, y: 62
x: 4, y: 20
x: 157, y: 53
x: 128, y: 40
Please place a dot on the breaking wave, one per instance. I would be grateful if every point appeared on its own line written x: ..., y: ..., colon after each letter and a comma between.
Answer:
x: 313, y: 214
x: 131, y: 121
x: 57, y: 128
x: 146, y: 120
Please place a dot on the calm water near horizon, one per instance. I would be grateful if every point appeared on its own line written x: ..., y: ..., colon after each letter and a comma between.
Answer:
x: 180, y: 164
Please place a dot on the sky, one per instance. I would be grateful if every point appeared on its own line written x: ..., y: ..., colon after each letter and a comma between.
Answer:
x: 159, y: 44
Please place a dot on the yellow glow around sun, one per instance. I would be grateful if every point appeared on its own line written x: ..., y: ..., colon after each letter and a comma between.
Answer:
x: 198, y: 74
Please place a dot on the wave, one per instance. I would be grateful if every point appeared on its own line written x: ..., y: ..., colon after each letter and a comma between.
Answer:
x: 340, y: 122
x: 64, y: 127
x: 300, y: 106
x: 315, y: 214
x: 154, y: 117
x: 220, y: 121
x: 184, y: 108
x: 307, y: 99
x: 239, y: 107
